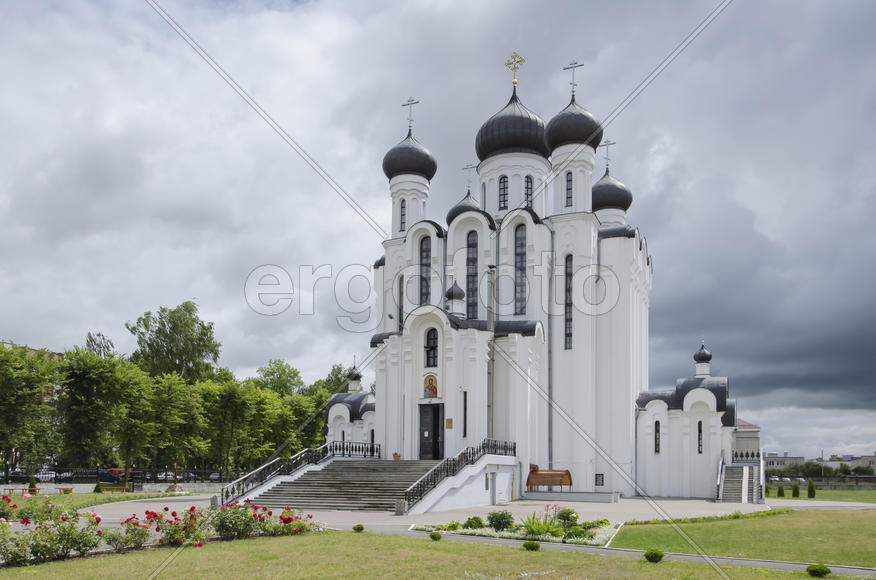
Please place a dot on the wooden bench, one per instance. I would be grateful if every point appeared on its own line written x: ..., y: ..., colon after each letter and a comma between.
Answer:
x: 65, y: 490
x: 538, y: 477
x: 11, y: 490
x: 113, y: 488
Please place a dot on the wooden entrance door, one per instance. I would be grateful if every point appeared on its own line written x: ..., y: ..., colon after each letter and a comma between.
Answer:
x: 432, y: 431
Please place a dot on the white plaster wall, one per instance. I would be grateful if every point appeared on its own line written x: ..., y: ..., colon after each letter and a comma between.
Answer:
x: 467, y: 488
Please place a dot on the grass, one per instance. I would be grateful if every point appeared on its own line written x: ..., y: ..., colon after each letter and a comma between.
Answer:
x: 79, y: 501
x: 859, y: 495
x: 829, y: 537
x: 368, y: 555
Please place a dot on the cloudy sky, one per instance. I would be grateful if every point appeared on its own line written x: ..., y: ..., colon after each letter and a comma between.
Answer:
x: 133, y: 177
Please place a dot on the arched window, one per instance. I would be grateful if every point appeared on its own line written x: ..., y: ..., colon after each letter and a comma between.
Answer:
x: 425, y: 268
x: 503, y: 192
x: 656, y: 436
x: 483, y: 195
x: 520, y: 270
x: 568, y: 189
x: 401, y: 302
x: 699, y: 436
x: 431, y: 348
x: 403, y: 214
x: 527, y: 191
x: 471, y: 276
x: 568, y: 280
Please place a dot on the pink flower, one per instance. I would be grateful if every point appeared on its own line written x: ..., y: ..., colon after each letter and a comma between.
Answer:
x: 25, y: 495
x: 46, y: 496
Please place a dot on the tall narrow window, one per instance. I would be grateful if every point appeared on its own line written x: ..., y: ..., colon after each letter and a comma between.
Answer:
x: 656, y: 436
x: 699, y: 436
x: 483, y: 195
x: 520, y: 270
x: 431, y: 348
x: 569, y: 189
x: 471, y: 276
x: 568, y: 313
x: 527, y: 191
x: 503, y: 192
x: 425, y: 268
x: 401, y: 302
x: 402, y: 215
x: 465, y: 413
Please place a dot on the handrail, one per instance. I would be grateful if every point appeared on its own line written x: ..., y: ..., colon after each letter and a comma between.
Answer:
x: 453, y: 465
x: 746, y: 456
x: 288, y: 465
x: 720, y: 477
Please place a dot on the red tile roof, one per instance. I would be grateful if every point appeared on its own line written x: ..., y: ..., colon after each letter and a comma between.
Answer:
x: 742, y: 424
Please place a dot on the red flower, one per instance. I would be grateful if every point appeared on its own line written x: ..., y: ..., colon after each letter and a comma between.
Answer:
x: 99, y: 532
x: 191, y: 509
x: 166, y: 508
x: 173, y: 514
x: 15, y: 507
x: 25, y: 521
x: 271, y: 512
x: 264, y: 508
x: 63, y: 518
x: 199, y: 544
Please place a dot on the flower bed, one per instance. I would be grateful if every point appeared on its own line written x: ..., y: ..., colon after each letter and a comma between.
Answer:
x: 554, y: 525
x: 51, y: 532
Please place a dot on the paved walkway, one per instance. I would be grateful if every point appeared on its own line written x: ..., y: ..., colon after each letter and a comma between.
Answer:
x: 625, y: 510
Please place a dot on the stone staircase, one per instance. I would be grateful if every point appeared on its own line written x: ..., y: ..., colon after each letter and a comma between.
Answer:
x: 733, y: 484
x: 367, y: 485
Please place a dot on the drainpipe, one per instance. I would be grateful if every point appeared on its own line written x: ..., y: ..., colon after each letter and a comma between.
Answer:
x: 550, y: 357
x: 491, y: 375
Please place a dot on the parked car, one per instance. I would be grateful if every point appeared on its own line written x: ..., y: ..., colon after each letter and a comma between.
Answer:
x: 774, y: 479
x: 786, y: 480
x: 45, y: 476
x: 64, y: 477
x: 801, y: 480
x: 112, y: 475
x: 215, y: 476
x: 18, y: 475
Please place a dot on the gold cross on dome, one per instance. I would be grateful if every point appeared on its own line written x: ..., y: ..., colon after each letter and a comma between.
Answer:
x: 514, y: 63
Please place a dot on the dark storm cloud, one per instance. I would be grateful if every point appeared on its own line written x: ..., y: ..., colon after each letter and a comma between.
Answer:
x: 132, y: 177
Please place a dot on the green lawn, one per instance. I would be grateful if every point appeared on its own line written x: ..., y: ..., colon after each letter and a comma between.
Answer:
x: 829, y: 537
x: 367, y: 555
x: 861, y: 495
x: 83, y: 500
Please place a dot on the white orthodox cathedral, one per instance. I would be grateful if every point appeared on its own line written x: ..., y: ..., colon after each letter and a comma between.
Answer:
x: 524, y: 318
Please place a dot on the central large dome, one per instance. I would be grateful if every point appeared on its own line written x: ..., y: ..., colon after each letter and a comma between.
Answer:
x: 514, y: 129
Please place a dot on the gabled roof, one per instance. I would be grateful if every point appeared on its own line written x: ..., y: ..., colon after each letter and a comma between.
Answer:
x: 743, y: 424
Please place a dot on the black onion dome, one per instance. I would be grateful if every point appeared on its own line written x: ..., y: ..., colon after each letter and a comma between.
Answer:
x: 409, y: 156
x: 702, y: 355
x: 574, y: 124
x: 608, y: 192
x: 455, y: 292
x: 514, y: 129
x: 354, y: 374
x: 467, y: 203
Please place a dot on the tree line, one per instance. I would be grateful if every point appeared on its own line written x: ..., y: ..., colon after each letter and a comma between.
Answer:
x: 169, y: 400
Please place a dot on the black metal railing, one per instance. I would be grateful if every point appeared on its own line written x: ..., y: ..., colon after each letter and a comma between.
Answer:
x: 289, y: 465
x: 746, y: 456
x: 453, y: 465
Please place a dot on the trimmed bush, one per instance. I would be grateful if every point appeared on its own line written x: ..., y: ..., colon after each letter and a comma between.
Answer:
x: 653, y: 555
x: 97, y: 488
x: 500, y: 521
x: 818, y: 570
x: 531, y: 546
x: 473, y: 523
x: 435, y: 536
x: 810, y: 490
x: 452, y: 526
x: 766, y: 491
x: 358, y: 528
x: 32, y: 486
x: 567, y: 518
x: 795, y: 490
x: 781, y: 492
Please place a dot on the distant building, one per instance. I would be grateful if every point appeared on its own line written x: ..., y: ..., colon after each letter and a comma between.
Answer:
x: 775, y: 461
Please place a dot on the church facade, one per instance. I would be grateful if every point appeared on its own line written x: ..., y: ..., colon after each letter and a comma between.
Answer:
x: 523, y: 317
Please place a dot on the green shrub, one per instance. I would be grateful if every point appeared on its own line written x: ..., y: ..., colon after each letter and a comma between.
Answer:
x: 795, y: 490
x: 501, y: 520
x: 578, y: 532
x: 595, y: 524
x: 535, y: 526
x: 531, y: 546
x: 32, y: 485
x: 473, y: 523
x: 810, y: 490
x: 435, y: 536
x: 358, y: 528
x: 567, y: 518
x: 97, y: 488
x: 766, y: 491
x: 818, y: 570
x: 654, y: 555
x: 15, y: 550
x: 234, y: 522
x: 131, y: 536
x: 43, y: 544
x: 781, y: 492
x: 188, y: 528
x: 452, y: 526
